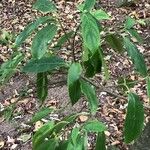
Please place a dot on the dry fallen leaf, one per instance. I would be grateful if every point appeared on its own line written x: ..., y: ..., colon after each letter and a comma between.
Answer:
x: 83, y: 118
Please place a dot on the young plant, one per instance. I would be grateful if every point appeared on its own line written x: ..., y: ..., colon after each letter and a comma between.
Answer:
x: 45, y: 61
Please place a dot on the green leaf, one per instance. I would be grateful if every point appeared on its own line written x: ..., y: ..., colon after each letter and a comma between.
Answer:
x: 148, y: 87
x: 134, y: 121
x: 29, y: 29
x: 44, y: 64
x: 62, y: 145
x: 63, y: 39
x: 136, y: 35
x: 89, y: 92
x: 42, y: 38
x: 101, y: 141
x: 42, y: 86
x: 45, y: 6
x: 9, y: 67
x: 41, y: 114
x: 41, y: 134
x: 47, y: 145
x: 73, y: 83
x: 136, y: 57
x: 94, y: 126
x: 90, y: 32
x: 89, y: 4
x: 129, y: 23
x: 100, y: 15
x: 115, y: 41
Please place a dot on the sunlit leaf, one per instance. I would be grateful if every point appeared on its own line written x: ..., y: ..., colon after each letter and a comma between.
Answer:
x: 129, y: 23
x: 44, y: 64
x: 8, y: 68
x: 90, y: 32
x: 100, y: 14
x: 94, y: 126
x: 41, y: 114
x: 44, y: 6
x: 41, y: 40
x: 89, y: 4
x: 134, y: 121
x: 30, y: 28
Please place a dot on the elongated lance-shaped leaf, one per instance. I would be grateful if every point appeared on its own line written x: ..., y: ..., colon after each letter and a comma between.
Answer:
x: 134, y: 121
x: 90, y: 32
x: 73, y: 83
x: 89, y: 4
x: 44, y: 64
x: 41, y: 134
x: 41, y: 114
x: 100, y: 15
x: 129, y: 23
x: 136, y: 35
x: 101, y: 141
x: 41, y: 40
x: 90, y: 94
x: 8, y: 68
x: 45, y: 6
x: 148, y: 87
x: 94, y: 126
x: 42, y: 86
x: 136, y: 57
x: 30, y: 28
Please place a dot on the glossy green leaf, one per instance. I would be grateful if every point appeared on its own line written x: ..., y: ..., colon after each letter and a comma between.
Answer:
x: 90, y: 94
x: 29, y: 29
x: 41, y: 134
x: 129, y: 23
x: 89, y: 4
x: 90, y: 32
x: 41, y: 40
x: 74, y: 73
x: 100, y: 14
x: 101, y: 141
x: 45, y: 6
x: 41, y: 114
x: 44, y: 64
x: 115, y: 41
x: 136, y: 35
x: 8, y: 68
x: 136, y: 57
x: 63, y: 39
x: 47, y: 145
x: 148, y: 87
x: 94, y: 126
x: 134, y: 121
x: 42, y: 86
